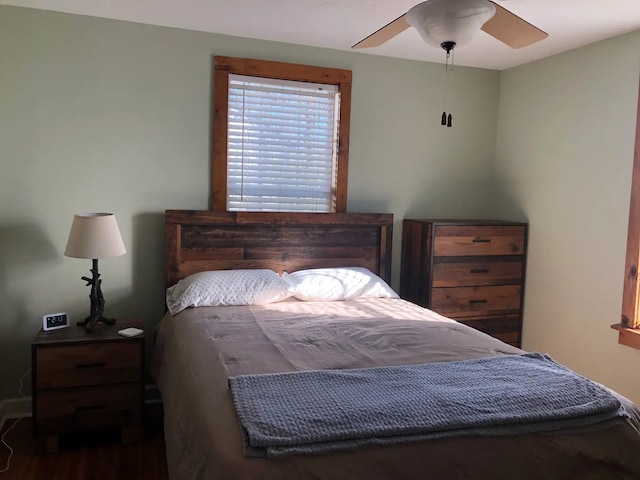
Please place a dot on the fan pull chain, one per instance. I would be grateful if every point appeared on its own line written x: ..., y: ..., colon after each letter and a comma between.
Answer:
x: 453, y: 61
x: 443, y: 121
x: 447, y: 119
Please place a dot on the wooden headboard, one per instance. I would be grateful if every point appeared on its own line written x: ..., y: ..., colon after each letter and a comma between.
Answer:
x: 197, y: 241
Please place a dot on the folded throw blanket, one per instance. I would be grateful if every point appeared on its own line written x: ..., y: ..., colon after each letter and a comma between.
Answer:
x: 323, y: 411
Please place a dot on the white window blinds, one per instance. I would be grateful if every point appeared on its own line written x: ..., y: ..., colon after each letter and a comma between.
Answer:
x: 282, y: 145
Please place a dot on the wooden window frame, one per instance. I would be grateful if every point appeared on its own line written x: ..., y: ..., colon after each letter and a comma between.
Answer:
x: 629, y: 326
x: 224, y: 66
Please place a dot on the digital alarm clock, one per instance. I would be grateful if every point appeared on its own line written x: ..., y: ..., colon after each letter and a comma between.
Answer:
x: 54, y: 321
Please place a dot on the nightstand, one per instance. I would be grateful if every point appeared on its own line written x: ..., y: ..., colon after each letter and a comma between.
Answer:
x: 84, y: 381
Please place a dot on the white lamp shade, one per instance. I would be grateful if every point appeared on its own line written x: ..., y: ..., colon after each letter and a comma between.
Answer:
x: 94, y: 235
x: 457, y: 21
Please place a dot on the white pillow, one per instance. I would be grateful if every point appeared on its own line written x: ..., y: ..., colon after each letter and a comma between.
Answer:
x: 227, y: 287
x: 327, y: 284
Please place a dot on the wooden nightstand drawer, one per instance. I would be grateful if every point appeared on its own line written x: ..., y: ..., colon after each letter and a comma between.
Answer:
x: 474, y: 301
x: 463, y: 272
x: 77, y: 408
x: 478, y: 240
x: 84, y: 380
x: 88, y: 364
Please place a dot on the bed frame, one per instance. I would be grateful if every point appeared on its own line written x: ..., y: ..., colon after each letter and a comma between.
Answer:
x: 197, y: 241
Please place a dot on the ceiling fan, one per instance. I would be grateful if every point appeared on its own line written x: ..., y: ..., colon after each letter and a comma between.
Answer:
x: 447, y: 23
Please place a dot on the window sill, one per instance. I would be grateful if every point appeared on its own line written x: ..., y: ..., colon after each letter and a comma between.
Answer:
x: 628, y: 336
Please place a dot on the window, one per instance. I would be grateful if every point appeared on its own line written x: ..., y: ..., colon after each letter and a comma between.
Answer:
x: 630, y: 323
x: 282, y: 141
x: 281, y: 136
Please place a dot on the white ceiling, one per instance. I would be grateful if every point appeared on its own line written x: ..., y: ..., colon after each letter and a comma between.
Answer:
x: 339, y: 24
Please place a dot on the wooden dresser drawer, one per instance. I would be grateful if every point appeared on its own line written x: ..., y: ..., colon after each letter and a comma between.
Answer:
x: 76, y: 408
x: 478, y: 240
x: 473, y: 301
x: 502, y: 327
x: 88, y: 364
x: 470, y: 272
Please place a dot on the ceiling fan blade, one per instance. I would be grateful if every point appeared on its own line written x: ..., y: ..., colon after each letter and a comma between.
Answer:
x: 511, y: 29
x: 385, y: 34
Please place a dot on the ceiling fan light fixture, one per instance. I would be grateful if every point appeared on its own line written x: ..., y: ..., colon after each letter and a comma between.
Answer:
x: 458, y: 21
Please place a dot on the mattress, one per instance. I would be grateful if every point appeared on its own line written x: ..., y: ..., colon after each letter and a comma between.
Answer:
x: 200, y: 348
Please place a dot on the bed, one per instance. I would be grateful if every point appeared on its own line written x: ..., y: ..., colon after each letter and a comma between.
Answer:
x: 199, y: 349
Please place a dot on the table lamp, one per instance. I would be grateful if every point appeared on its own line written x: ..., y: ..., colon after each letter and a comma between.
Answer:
x: 95, y: 236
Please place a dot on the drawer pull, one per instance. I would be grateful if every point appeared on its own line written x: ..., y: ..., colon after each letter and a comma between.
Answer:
x: 89, y: 408
x: 473, y: 302
x: 480, y: 270
x: 91, y: 365
x: 481, y: 240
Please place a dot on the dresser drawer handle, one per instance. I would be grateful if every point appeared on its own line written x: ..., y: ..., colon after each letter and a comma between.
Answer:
x: 473, y: 302
x: 480, y: 270
x: 89, y: 408
x: 481, y: 240
x: 91, y: 365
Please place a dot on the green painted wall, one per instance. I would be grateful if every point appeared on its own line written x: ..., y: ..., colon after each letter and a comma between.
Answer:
x: 102, y: 115
x: 564, y: 159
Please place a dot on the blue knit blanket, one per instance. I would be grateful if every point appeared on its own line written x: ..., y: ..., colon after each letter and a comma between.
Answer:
x: 324, y: 411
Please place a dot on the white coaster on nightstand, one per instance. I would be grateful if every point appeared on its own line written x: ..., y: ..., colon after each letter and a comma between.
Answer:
x: 130, y: 332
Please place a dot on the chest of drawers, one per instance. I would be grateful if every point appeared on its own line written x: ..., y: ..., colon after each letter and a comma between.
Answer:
x: 469, y: 270
x: 84, y: 381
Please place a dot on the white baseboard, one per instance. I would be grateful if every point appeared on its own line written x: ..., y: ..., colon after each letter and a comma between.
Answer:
x: 21, y: 407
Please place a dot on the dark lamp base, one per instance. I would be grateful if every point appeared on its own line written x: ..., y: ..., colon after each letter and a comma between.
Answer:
x: 97, y: 301
x: 90, y: 322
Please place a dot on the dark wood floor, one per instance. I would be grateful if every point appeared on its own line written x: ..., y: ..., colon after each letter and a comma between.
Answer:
x: 87, y: 457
